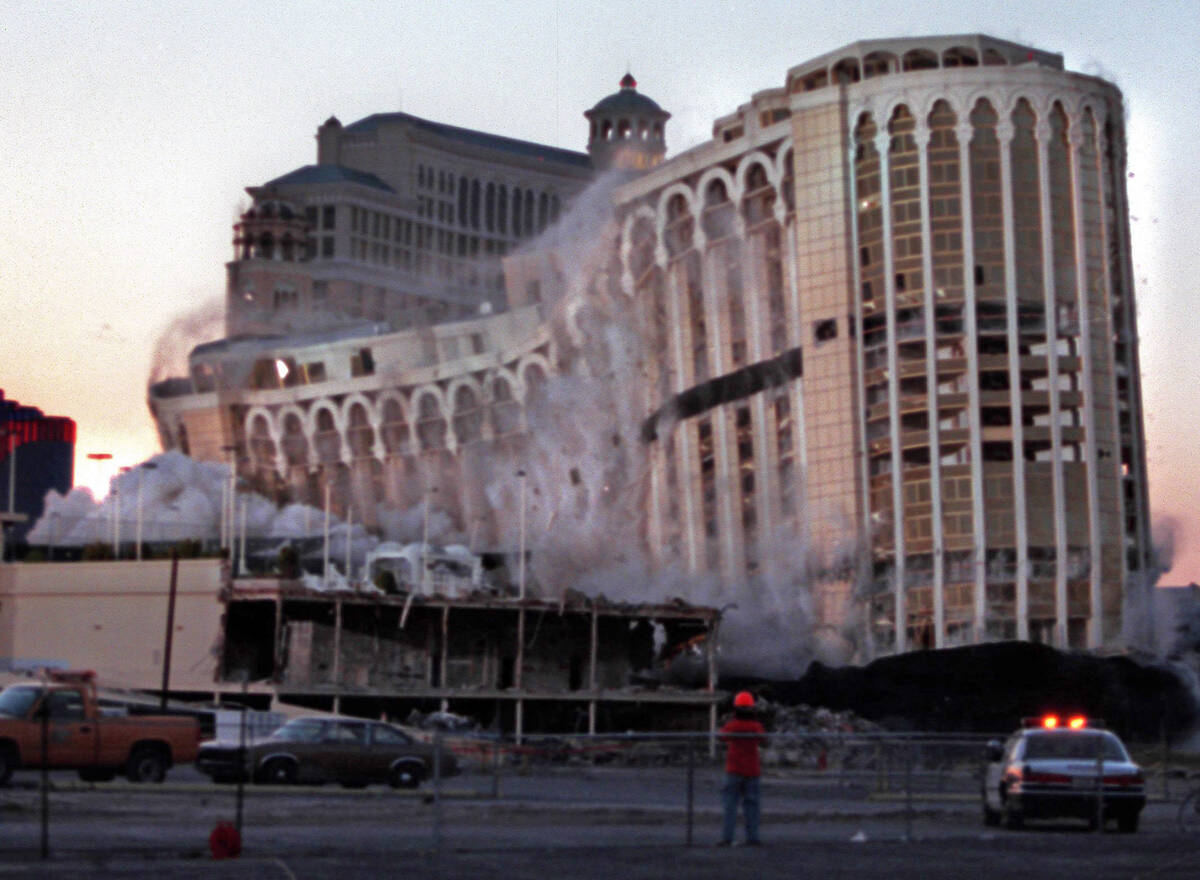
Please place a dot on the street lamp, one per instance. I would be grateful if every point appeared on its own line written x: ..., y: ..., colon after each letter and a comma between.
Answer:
x: 149, y: 466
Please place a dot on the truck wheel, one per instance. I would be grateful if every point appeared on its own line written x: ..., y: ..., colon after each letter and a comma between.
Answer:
x: 8, y: 763
x: 146, y: 764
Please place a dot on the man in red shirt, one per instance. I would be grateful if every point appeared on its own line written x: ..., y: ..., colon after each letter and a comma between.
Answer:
x: 742, y: 735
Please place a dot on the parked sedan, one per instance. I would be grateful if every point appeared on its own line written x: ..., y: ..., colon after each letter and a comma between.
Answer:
x: 316, y: 750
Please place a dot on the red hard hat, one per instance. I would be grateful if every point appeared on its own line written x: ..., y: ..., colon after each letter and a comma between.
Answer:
x: 744, y: 700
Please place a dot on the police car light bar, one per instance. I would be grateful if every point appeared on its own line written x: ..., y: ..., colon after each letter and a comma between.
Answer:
x: 1053, y: 722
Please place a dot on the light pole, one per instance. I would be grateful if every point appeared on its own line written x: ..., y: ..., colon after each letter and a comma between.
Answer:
x: 425, y: 539
x: 9, y: 436
x: 117, y: 521
x: 325, y: 548
x: 521, y: 557
x: 145, y: 466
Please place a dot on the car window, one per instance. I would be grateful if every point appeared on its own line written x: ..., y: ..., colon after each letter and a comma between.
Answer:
x: 66, y: 706
x: 353, y: 733
x: 1072, y: 745
x: 306, y: 730
x: 390, y: 736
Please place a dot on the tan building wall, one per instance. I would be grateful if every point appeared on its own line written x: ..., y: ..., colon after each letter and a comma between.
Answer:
x: 111, y: 617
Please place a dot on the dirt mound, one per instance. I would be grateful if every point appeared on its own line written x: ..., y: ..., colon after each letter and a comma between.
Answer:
x: 989, y: 688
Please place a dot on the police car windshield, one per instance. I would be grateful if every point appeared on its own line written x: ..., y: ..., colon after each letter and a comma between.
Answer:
x: 1073, y: 745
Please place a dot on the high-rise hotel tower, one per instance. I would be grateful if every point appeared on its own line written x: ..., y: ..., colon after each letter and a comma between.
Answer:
x: 896, y: 320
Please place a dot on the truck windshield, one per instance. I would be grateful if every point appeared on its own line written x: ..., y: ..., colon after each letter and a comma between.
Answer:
x: 15, y: 702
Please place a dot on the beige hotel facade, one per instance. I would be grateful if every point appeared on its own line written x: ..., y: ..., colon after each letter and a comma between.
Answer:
x: 888, y: 322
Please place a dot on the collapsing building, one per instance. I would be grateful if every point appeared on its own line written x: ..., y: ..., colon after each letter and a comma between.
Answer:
x: 870, y: 352
x: 574, y: 664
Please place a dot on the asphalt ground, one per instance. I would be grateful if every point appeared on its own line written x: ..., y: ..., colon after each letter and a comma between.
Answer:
x: 601, y: 825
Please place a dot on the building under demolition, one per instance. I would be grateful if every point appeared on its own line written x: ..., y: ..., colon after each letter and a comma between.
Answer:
x: 871, y: 350
x: 579, y: 664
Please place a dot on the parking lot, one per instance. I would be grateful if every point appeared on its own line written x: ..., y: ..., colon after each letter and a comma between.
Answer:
x: 588, y: 821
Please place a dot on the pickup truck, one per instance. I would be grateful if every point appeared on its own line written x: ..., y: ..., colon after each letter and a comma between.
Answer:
x: 80, y: 736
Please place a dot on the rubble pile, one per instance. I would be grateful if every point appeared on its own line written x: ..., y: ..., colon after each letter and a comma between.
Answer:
x: 988, y: 688
x: 816, y: 738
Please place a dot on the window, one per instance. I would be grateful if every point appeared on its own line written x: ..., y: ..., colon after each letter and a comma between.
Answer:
x: 327, y: 246
x: 65, y: 706
x: 825, y: 330
x: 362, y: 363
x: 328, y: 217
x: 389, y: 736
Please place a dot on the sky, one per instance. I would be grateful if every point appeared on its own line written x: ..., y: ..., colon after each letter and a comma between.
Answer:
x: 129, y: 131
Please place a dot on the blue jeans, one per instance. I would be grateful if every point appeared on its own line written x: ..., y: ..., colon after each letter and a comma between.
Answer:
x: 745, y: 789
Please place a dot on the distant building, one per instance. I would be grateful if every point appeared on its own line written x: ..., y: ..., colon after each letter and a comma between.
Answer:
x: 888, y: 346
x: 37, y: 454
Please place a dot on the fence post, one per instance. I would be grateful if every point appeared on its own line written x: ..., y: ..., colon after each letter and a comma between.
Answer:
x: 437, y: 793
x: 908, y: 792
x: 44, y: 712
x: 691, y: 787
x: 1166, y: 754
x: 243, y: 770
x: 496, y: 769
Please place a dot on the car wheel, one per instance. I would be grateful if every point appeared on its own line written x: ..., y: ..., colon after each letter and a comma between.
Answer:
x: 407, y: 775
x: 146, y: 764
x: 1127, y: 823
x: 277, y: 771
x: 1012, y: 818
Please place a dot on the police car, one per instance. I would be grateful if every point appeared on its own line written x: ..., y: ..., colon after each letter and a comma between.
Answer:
x: 1062, y: 768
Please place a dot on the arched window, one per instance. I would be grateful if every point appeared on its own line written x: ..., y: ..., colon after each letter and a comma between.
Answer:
x: 846, y: 71
x: 328, y: 441
x: 506, y: 418
x: 468, y: 417
x: 288, y: 248
x: 623, y: 129
x: 262, y: 447
x: 960, y: 56
x: 295, y: 444
x: 718, y: 211
x: 878, y: 64
x: 920, y: 59
x: 395, y: 429
x: 678, y: 233
x: 266, y: 246
x: 606, y: 130
x: 489, y: 208
x: 361, y: 434
x: 475, y: 203
x: 431, y: 424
